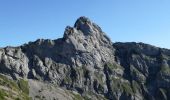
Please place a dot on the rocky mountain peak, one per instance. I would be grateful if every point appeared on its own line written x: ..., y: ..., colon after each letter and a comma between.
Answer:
x: 88, y: 38
x: 84, y: 24
x: 85, y: 29
x: 85, y: 64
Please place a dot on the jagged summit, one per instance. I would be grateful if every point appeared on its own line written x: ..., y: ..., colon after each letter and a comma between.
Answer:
x: 87, y: 38
x: 82, y: 20
x: 85, y: 29
x: 86, y: 26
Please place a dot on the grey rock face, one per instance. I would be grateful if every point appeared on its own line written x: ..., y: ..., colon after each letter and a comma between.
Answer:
x: 93, y: 44
x: 13, y: 62
x: 147, y: 66
x: 86, y: 62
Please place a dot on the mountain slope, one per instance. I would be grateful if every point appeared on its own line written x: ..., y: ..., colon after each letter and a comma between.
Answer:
x: 85, y: 64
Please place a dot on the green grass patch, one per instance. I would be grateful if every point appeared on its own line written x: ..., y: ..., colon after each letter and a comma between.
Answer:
x: 165, y: 70
x: 117, y: 85
x: 93, y: 95
x: 23, y: 85
x: 2, y: 95
x: 14, y: 85
x: 4, y: 81
x: 127, y: 88
x: 67, y: 80
x: 135, y: 86
x: 99, y: 77
x: 114, y: 66
x: 77, y: 97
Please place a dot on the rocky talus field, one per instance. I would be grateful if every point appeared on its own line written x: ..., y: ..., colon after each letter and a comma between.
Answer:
x: 84, y: 65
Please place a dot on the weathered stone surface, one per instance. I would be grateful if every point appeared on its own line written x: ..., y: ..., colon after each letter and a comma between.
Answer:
x: 86, y: 63
x: 14, y: 62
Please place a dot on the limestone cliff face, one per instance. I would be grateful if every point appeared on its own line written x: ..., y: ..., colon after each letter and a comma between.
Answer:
x: 147, y: 66
x: 85, y: 61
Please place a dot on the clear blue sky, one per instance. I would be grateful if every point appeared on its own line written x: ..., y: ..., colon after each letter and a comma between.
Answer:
x: 145, y: 21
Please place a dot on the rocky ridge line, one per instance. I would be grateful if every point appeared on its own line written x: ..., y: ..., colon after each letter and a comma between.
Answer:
x: 86, y: 62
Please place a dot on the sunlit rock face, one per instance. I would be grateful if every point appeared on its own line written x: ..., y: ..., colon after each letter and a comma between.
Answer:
x: 85, y: 64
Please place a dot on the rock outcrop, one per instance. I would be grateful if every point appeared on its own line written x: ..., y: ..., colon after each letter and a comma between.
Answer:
x: 87, y: 65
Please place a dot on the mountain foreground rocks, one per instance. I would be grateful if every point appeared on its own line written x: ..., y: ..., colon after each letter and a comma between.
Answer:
x: 84, y: 65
